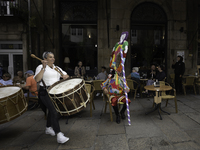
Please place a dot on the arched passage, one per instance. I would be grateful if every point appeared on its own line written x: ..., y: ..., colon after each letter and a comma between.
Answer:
x: 148, y: 35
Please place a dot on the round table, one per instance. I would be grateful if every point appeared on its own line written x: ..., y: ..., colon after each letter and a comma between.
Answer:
x: 157, y: 97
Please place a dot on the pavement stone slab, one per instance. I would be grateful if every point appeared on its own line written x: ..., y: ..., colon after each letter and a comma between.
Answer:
x: 82, y: 134
x: 184, y: 122
x: 111, y: 142
x: 186, y: 146
x: 141, y: 126
x: 171, y: 130
x: 106, y: 127
x: 45, y: 142
x: 195, y: 116
x: 26, y: 139
x: 148, y: 143
x: 195, y: 135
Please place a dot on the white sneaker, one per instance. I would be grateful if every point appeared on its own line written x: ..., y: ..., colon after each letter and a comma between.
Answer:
x: 50, y: 131
x: 61, y: 138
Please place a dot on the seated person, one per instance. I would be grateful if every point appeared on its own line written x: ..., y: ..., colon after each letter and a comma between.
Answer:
x: 151, y: 74
x: 134, y: 73
x: 161, y: 74
x: 103, y: 74
x: 79, y: 70
x: 114, y: 86
x: 136, y: 77
x: 6, y: 80
x: 19, y: 78
x: 31, y: 84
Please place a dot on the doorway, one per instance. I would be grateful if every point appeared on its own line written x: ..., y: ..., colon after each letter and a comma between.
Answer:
x: 148, y: 36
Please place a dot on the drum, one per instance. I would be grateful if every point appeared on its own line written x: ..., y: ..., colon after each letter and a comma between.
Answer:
x: 69, y: 96
x: 12, y: 103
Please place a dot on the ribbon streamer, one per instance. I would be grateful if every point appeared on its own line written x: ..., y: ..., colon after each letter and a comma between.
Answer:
x: 124, y: 78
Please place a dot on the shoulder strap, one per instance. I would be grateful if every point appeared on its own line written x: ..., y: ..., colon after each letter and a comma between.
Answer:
x: 43, y: 83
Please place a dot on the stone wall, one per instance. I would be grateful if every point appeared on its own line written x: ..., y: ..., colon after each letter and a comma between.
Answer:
x: 15, y: 31
x: 180, y: 14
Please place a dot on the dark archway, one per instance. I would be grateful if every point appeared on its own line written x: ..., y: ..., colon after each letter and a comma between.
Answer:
x: 148, y: 36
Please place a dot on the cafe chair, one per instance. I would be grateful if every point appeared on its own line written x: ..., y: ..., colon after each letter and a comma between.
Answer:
x: 32, y: 99
x: 133, y: 85
x: 97, y: 86
x: 90, y: 88
x: 189, y: 81
x: 167, y: 97
x: 198, y: 69
x: 106, y: 98
x: 172, y: 78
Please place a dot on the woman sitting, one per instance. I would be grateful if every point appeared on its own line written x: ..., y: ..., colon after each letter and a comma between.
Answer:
x: 6, y: 80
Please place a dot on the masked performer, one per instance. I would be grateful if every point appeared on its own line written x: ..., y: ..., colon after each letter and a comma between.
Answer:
x: 46, y: 71
x: 115, y: 83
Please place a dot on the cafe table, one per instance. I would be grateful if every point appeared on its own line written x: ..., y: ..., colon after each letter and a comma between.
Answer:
x: 157, y: 97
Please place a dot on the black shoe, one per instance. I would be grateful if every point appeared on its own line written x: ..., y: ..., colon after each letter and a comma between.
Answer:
x: 123, y: 115
x: 118, y: 119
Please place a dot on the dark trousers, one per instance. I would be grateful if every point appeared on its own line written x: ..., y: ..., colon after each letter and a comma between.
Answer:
x: 178, y: 83
x: 52, y: 118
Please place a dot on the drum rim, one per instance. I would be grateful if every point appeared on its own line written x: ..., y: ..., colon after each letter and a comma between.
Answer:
x: 1, y: 99
x: 56, y: 83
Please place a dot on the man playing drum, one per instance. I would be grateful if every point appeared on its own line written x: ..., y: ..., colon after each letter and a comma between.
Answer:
x: 47, y: 73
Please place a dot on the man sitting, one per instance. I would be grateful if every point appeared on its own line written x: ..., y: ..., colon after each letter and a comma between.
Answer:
x: 103, y: 74
x: 20, y: 79
x: 31, y: 84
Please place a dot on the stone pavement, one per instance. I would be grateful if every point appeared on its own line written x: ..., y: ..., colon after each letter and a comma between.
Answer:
x: 178, y: 131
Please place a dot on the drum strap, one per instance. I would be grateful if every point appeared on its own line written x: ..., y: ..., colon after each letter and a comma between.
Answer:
x: 44, y: 84
x: 58, y: 69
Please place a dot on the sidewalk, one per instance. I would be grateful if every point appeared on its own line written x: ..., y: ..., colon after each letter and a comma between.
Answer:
x: 178, y: 131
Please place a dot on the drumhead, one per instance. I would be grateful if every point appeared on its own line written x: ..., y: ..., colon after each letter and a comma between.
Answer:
x: 7, y: 91
x: 65, y: 86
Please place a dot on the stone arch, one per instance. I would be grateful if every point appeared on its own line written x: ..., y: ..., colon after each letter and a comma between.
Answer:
x: 163, y: 4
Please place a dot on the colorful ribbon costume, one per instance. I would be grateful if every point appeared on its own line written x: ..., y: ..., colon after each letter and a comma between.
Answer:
x: 117, y: 86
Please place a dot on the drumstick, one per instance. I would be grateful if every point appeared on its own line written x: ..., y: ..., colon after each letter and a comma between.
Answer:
x: 33, y: 56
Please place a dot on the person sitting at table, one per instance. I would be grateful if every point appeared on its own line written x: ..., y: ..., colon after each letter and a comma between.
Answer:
x: 103, y: 74
x: 136, y: 77
x: 31, y: 84
x: 134, y: 73
x: 6, y: 80
x: 19, y: 78
x: 161, y: 74
x: 79, y: 70
x: 151, y: 74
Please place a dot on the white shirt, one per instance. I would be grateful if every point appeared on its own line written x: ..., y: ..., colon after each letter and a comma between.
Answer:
x: 50, y: 75
x: 9, y: 82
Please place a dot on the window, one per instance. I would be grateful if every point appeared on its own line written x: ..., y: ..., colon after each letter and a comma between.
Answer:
x: 6, y: 7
